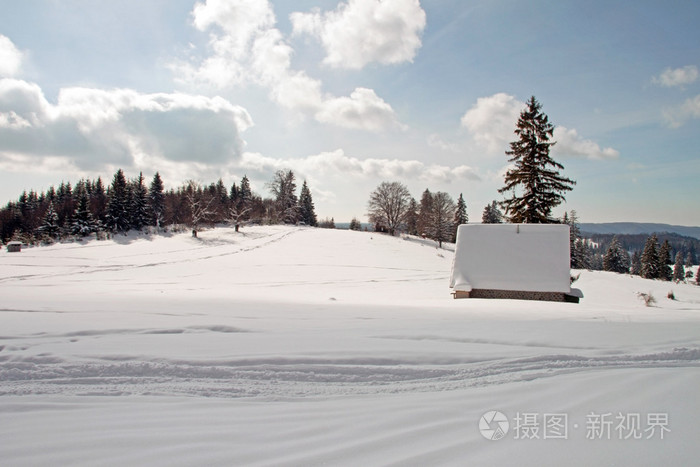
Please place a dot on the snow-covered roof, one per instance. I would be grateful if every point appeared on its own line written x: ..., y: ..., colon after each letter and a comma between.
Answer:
x: 522, y: 257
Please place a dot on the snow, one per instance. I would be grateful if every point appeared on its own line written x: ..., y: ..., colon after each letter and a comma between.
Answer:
x: 522, y: 257
x: 299, y: 346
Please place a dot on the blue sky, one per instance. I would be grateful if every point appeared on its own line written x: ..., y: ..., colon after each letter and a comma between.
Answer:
x: 351, y: 93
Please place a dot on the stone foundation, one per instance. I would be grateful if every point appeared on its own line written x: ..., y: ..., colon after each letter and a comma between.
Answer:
x: 517, y: 295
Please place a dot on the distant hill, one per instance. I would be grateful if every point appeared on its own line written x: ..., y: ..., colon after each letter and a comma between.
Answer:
x: 636, y: 228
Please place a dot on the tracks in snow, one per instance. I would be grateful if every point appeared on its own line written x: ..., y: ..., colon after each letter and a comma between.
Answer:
x: 282, y: 377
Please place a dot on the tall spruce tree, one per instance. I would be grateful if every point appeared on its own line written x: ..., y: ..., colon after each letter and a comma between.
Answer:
x: 424, y: 210
x: 412, y: 217
x: 83, y: 223
x: 139, y: 204
x: 577, y: 245
x: 534, y: 183
x: 307, y: 214
x: 245, y: 193
x: 616, y: 259
x: 283, y: 187
x: 651, y: 269
x: 98, y: 201
x: 118, y: 217
x: 636, y: 268
x: 156, y: 199
x: 665, y: 262
x: 491, y: 214
x: 678, y: 269
x: 461, y: 216
x: 50, y: 228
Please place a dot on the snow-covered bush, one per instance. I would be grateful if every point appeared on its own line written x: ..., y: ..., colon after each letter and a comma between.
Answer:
x: 648, y: 298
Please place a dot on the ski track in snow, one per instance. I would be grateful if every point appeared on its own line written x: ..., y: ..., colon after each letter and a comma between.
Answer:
x: 283, y: 377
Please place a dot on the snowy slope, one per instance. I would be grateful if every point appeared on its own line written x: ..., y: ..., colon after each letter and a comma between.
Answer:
x: 299, y: 346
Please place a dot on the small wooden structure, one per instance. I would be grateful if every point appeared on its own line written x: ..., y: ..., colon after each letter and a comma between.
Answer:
x: 14, y: 247
x: 513, y: 261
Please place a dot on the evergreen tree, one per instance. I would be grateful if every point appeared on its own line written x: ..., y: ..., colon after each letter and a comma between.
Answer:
x: 139, y: 204
x: 651, y: 269
x: 460, y: 216
x: 283, y: 187
x: 697, y: 276
x: 576, y: 243
x: 64, y: 203
x: 412, y: 217
x: 665, y: 272
x: 424, y: 210
x: 50, y: 227
x: 83, y: 223
x: 245, y: 193
x: 98, y: 201
x: 118, y: 217
x: 636, y: 263
x: 307, y: 214
x: 583, y: 254
x: 156, y: 199
x: 355, y: 224
x: 241, y: 204
x: 678, y: 269
x: 234, y: 194
x: 616, y: 259
x: 492, y: 215
x: 535, y: 173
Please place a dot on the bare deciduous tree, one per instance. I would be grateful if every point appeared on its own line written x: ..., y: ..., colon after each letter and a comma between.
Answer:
x: 441, y: 218
x: 388, y: 205
x: 199, y: 203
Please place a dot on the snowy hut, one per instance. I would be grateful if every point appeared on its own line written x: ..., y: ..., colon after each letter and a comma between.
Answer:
x: 14, y: 247
x: 519, y: 261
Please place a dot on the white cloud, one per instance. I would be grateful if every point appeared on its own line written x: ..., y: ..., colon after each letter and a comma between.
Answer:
x: 434, y: 140
x: 92, y: 128
x: 360, y: 32
x: 570, y: 144
x: 363, y: 110
x: 337, y: 163
x: 10, y: 58
x: 677, y: 116
x: 246, y: 48
x: 491, y: 121
x: 677, y: 76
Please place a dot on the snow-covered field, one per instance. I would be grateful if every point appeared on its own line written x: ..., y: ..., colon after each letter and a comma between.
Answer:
x: 295, y: 346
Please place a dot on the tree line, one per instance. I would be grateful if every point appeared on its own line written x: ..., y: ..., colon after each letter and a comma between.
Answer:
x: 669, y: 260
x: 90, y: 207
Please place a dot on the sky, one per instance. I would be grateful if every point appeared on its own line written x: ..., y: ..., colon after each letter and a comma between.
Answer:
x: 351, y: 93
